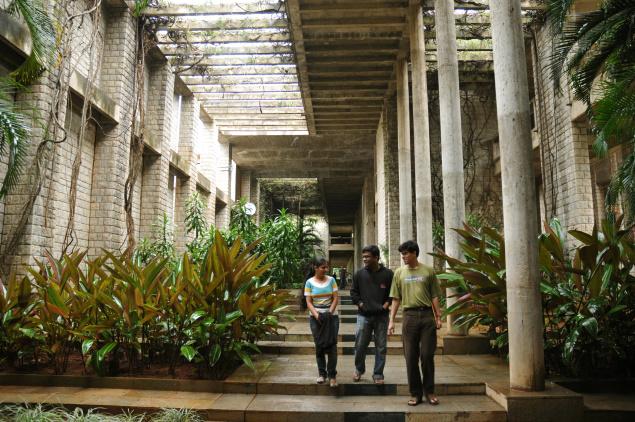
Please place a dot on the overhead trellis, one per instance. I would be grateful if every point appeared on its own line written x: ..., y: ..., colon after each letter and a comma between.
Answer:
x: 263, y: 64
x: 237, y: 58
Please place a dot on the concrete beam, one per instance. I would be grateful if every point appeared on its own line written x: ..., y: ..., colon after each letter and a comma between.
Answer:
x: 175, y: 49
x: 231, y: 80
x: 245, y: 96
x: 221, y: 36
x: 214, y: 8
x: 272, y: 87
x: 225, y: 23
x: 257, y: 110
x: 252, y: 103
x: 254, y: 70
x: 296, y: 26
x: 235, y: 60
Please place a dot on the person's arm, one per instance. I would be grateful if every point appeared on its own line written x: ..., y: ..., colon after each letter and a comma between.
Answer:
x: 387, y: 292
x: 393, y: 313
x: 336, y: 298
x: 436, y: 307
x: 355, y: 295
x: 309, y: 304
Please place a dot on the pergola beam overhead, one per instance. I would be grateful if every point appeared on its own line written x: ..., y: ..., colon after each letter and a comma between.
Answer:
x: 226, y: 49
x: 216, y: 8
x: 222, y: 36
x: 237, y: 60
x: 253, y: 110
x: 225, y: 23
x: 296, y: 124
x: 243, y: 96
x: 255, y: 88
x: 252, y: 132
x: 260, y: 116
x: 216, y: 71
x: 428, y: 5
x: 239, y: 79
x: 296, y: 104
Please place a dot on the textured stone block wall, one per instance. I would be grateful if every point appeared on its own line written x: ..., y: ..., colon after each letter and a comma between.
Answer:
x: 99, y: 211
x: 566, y: 172
x: 380, y: 187
x: 391, y: 181
x: 156, y: 167
x: 186, y: 186
x: 483, y: 189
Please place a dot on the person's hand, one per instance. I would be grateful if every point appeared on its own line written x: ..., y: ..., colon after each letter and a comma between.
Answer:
x: 391, y: 328
x: 386, y: 305
x: 438, y: 322
x: 360, y: 305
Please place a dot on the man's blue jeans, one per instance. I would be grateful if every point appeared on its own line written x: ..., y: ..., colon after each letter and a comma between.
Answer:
x: 366, y: 327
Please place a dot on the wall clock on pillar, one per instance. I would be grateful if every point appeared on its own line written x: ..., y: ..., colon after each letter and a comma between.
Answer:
x: 250, y: 208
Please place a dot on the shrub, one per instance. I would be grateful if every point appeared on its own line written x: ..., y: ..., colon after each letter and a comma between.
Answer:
x: 588, y: 300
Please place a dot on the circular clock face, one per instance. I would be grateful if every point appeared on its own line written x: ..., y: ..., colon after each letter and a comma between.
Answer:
x: 250, y: 208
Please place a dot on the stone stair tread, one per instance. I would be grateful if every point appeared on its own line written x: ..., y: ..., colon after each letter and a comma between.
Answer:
x: 260, y: 407
x: 307, y: 343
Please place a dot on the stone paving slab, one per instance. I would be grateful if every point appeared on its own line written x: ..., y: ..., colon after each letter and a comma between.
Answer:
x: 296, y: 374
x: 263, y: 407
x: 308, y: 347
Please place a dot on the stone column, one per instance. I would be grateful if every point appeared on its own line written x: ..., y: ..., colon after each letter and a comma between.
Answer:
x: 524, y: 308
x: 421, y: 133
x: 156, y: 167
x: 403, y: 135
x: 451, y: 137
x: 112, y: 149
x: 186, y: 185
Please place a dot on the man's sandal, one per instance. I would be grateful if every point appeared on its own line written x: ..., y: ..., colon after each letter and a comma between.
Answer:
x: 414, y: 401
x: 432, y: 399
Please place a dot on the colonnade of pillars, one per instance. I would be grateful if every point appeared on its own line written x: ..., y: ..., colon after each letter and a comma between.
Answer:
x: 526, y: 353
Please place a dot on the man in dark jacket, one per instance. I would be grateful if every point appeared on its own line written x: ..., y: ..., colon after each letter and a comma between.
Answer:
x: 370, y: 292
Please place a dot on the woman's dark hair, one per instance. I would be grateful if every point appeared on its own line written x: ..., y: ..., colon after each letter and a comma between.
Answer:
x: 409, y: 246
x: 319, y: 262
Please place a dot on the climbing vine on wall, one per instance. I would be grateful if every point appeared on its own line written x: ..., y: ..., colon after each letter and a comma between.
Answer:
x: 482, y: 194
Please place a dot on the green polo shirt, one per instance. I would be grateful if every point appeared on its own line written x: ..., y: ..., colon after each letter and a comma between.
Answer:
x: 415, y: 287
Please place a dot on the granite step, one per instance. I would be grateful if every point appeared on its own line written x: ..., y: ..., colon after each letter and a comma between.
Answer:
x: 309, y: 337
x: 263, y: 407
x: 308, y: 348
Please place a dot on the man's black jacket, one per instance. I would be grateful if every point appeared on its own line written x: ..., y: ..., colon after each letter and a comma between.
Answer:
x: 372, y: 289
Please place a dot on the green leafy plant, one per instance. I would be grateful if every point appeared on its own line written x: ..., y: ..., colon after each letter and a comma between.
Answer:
x: 588, y: 300
x: 17, y: 331
x: 595, y: 50
x: 196, y: 223
x: 480, y: 278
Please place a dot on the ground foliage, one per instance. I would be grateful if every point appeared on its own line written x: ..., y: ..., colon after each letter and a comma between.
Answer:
x: 588, y: 295
x: 289, y: 242
x: 119, y: 311
x: 43, y: 413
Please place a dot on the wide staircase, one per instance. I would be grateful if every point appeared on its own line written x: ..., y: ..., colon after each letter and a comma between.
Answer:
x: 283, y: 386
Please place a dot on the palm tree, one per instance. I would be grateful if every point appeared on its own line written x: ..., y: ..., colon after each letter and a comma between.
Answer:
x: 597, y: 51
x: 14, y: 127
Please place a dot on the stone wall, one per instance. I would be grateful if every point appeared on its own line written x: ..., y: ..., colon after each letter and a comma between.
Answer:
x: 483, y: 194
x: 380, y: 189
x: 99, y: 220
x: 391, y: 181
x: 564, y: 143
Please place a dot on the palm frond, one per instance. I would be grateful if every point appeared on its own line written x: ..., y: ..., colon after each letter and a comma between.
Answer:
x: 14, y: 137
x: 623, y: 184
x: 612, y: 113
x: 42, y: 38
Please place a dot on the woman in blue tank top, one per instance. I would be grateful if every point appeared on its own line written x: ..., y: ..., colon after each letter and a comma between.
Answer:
x: 322, y: 300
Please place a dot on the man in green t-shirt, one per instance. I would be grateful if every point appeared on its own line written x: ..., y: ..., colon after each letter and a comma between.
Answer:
x: 416, y: 287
